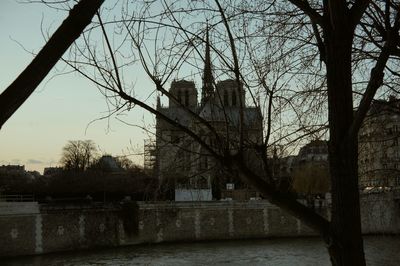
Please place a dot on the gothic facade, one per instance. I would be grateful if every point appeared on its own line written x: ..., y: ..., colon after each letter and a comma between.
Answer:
x: 180, y: 161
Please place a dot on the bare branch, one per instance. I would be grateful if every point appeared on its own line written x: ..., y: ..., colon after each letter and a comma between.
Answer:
x: 16, y: 94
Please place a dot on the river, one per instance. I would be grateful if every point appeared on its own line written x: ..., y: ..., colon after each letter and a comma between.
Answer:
x: 380, y: 251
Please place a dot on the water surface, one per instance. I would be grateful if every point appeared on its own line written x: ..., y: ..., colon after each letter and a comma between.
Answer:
x: 380, y: 251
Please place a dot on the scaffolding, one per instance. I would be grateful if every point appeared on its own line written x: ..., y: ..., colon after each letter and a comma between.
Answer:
x: 150, y: 155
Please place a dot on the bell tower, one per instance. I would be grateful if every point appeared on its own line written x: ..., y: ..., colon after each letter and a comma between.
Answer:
x: 184, y: 93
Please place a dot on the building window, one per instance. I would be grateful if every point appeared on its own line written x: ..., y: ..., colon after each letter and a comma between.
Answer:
x: 226, y: 102
x: 180, y: 96
x: 233, y: 98
x: 186, y: 98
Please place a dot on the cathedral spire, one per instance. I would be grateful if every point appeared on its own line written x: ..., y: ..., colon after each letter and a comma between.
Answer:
x: 208, y: 80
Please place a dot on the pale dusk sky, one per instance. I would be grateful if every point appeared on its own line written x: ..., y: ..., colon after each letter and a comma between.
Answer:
x: 62, y: 107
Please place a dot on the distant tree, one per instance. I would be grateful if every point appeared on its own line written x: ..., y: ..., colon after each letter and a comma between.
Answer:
x: 311, y: 178
x: 78, y: 154
x: 127, y: 164
x: 15, y: 182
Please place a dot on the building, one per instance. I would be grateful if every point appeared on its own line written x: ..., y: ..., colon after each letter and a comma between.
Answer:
x: 184, y: 165
x: 378, y: 149
x: 311, y: 170
x: 313, y: 153
x: 316, y: 150
x: 108, y: 163
x: 52, y: 171
x: 12, y: 168
x: 306, y: 174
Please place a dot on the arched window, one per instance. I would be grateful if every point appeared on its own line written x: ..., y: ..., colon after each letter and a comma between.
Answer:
x: 186, y: 98
x: 226, y: 101
x: 233, y: 98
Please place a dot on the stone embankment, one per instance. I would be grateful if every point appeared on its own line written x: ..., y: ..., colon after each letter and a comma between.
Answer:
x: 37, y: 229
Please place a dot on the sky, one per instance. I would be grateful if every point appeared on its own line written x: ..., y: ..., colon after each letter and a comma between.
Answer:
x: 62, y: 107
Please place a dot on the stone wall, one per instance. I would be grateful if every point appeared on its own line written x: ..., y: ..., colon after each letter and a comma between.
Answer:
x: 380, y: 213
x: 188, y: 221
x: 18, y: 208
x: 58, y: 228
x: 69, y: 227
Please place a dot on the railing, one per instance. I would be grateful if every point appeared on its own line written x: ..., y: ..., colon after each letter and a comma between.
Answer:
x: 18, y: 198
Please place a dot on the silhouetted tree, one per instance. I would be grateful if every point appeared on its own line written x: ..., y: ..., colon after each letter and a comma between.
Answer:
x: 127, y: 164
x: 16, y: 182
x: 357, y: 42
x: 78, y: 155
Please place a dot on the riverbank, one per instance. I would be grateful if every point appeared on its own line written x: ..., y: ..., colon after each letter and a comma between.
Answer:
x: 51, y: 228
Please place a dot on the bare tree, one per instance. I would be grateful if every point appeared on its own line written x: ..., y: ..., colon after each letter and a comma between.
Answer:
x: 78, y: 155
x: 314, y: 63
x: 350, y: 37
x: 164, y: 46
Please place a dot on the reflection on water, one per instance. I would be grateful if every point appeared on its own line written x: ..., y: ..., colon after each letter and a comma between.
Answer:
x: 380, y: 251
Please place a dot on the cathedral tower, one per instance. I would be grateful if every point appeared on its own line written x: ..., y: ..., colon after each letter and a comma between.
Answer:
x: 184, y: 92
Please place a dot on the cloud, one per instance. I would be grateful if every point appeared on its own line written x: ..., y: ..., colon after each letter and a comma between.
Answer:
x: 34, y: 161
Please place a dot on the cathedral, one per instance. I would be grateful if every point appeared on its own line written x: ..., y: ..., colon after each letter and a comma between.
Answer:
x: 185, y: 167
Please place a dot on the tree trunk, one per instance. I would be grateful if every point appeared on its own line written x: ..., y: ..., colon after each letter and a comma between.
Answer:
x: 345, y: 242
